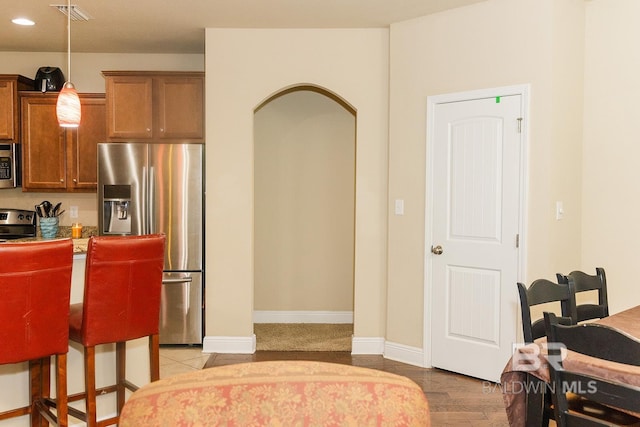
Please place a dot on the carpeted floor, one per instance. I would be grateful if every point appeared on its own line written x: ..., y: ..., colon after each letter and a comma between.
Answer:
x: 303, y: 336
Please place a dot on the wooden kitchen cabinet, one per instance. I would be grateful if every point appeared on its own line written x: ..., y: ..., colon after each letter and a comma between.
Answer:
x: 10, y: 84
x: 152, y: 107
x: 58, y: 159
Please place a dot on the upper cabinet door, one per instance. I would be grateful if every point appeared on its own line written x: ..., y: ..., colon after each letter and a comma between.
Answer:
x: 10, y: 84
x: 129, y: 107
x: 145, y: 106
x: 82, y: 153
x: 58, y: 159
x: 44, y: 145
x: 180, y: 106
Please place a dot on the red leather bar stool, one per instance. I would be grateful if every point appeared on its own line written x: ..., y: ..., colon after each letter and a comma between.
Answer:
x: 123, y: 281
x: 35, y: 283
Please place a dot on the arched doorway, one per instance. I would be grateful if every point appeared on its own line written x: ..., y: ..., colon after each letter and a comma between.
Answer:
x: 304, y: 215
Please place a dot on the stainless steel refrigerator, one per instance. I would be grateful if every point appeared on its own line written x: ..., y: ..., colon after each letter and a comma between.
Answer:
x: 157, y: 188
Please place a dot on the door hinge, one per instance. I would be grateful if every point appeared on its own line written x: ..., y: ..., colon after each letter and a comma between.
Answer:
x: 519, y: 124
x: 517, y: 240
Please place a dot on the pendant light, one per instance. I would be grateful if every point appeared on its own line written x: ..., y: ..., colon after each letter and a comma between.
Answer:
x: 68, y: 105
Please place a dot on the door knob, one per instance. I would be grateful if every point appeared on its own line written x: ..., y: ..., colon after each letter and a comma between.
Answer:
x: 437, y: 250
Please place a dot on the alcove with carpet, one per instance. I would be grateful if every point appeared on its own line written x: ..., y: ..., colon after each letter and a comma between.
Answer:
x: 304, y: 220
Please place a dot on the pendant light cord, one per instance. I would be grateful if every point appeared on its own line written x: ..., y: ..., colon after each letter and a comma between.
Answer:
x: 69, y: 40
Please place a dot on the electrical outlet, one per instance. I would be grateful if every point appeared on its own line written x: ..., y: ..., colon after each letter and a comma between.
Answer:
x: 73, y: 211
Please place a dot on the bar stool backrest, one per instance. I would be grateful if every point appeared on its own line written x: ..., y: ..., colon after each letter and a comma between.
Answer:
x: 123, y: 282
x: 35, y: 283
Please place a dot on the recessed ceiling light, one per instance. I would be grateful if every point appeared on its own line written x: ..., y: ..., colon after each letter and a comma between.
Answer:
x: 23, y: 21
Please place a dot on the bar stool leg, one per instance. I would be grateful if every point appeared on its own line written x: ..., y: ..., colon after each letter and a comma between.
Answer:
x: 45, y: 385
x: 40, y: 382
x: 90, y: 385
x: 121, y: 370
x: 35, y: 380
x: 154, y: 357
x: 62, y: 412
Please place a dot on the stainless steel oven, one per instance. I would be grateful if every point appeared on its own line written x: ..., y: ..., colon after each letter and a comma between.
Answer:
x: 17, y: 224
x: 10, y: 173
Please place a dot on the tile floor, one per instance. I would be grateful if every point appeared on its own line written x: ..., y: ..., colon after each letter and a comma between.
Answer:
x: 179, y: 359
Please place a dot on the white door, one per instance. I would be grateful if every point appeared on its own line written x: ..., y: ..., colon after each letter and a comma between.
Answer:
x: 473, y: 255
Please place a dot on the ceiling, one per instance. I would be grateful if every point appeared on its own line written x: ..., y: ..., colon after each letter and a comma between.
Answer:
x: 160, y: 26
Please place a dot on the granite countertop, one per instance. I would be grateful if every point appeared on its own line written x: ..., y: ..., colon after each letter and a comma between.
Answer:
x: 65, y: 231
x: 79, y: 245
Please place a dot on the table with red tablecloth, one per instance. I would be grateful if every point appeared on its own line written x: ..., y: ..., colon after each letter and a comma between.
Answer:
x: 528, y: 370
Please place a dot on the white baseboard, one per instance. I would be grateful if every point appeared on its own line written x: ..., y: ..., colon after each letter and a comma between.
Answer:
x: 404, y: 353
x: 359, y: 345
x: 265, y: 316
x: 233, y: 345
x: 367, y: 345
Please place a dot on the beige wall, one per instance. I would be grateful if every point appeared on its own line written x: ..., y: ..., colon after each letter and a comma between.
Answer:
x: 611, y: 194
x: 246, y: 67
x: 86, y: 67
x: 304, y: 172
x: 489, y: 44
x: 494, y: 43
x: 86, y: 75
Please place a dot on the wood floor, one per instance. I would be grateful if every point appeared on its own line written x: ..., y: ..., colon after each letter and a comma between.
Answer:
x: 454, y: 400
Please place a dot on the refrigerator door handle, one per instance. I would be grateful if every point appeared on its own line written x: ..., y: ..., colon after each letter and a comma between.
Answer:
x: 144, y: 223
x: 152, y: 201
x: 181, y: 280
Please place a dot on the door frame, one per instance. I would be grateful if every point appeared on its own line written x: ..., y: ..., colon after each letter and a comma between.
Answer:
x: 432, y: 102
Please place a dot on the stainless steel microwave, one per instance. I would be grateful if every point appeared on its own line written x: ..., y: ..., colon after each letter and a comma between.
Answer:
x: 10, y: 172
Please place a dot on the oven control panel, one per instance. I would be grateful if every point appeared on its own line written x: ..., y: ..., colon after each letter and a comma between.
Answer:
x: 17, y: 217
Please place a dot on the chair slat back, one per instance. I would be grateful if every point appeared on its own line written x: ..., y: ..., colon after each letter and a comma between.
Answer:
x: 544, y: 291
x: 584, y: 282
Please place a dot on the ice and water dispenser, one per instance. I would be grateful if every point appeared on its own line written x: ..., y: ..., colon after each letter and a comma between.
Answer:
x: 116, y: 213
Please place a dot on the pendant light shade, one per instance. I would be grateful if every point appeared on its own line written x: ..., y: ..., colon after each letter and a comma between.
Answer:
x: 68, y: 104
x: 68, y: 107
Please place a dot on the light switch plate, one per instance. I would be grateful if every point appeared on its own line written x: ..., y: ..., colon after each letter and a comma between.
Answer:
x: 399, y: 208
x: 559, y: 211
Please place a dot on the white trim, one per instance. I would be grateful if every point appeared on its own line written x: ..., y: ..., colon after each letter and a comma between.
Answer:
x: 404, y: 353
x: 523, y: 90
x: 265, y: 316
x: 234, y: 345
x: 367, y: 345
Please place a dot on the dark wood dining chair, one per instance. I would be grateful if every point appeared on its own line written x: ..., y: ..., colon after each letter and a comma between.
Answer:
x: 543, y: 291
x: 35, y: 285
x: 612, y: 398
x: 122, y: 292
x: 583, y: 282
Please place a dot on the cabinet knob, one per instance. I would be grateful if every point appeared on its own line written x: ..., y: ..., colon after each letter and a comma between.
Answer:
x: 61, y: 179
x: 161, y: 130
x: 75, y: 180
x: 148, y: 130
